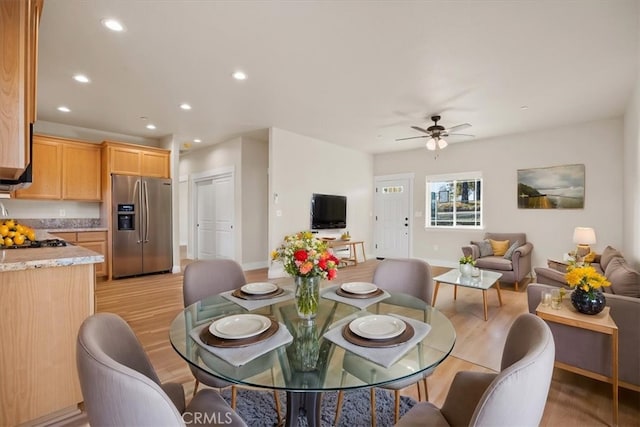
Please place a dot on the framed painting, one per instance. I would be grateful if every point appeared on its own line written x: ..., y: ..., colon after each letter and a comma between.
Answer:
x: 555, y: 187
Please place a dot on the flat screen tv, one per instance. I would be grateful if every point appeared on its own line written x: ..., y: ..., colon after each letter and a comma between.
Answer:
x: 328, y: 211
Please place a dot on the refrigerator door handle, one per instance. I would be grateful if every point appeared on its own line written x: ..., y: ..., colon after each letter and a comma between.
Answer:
x: 146, y: 211
x: 136, y: 202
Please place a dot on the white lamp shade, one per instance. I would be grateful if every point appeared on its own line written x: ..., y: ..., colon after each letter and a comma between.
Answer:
x: 431, y: 144
x: 584, y: 236
x: 442, y: 143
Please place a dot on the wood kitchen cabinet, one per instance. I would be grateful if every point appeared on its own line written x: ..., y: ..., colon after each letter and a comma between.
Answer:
x: 128, y: 159
x: 92, y: 240
x: 64, y: 170
x: 19, y: 22
x: 47, y: 171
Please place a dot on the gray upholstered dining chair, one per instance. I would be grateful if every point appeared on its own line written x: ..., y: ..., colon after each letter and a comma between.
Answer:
x: 409, y: 276
x: 514, y: 396
x: 210, y: 277
x: 120, y: 386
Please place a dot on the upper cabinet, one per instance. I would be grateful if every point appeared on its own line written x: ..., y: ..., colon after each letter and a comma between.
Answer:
x: 64, y: 169
x: 19, y: 22
x: 128, y: 159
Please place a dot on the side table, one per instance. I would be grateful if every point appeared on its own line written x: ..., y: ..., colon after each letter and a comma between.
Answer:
x: 352, y: 245
x: 557, y: 265
x: 601, y: 322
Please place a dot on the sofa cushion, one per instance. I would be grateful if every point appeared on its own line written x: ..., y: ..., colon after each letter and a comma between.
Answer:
x: 499, y: 246
x: 494, y: 263
x: 607, y: 255
x: 624, y: 279
x: 484, y: 246
x: 511, y: 250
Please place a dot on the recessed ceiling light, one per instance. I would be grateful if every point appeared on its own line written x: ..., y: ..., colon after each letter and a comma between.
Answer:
x: 113, y: 25
x: 185, y: 106
x: 81, y: 78
x: 64, y: 109
x: 151, y: 126
x: 239, y: 75
x: 197, y: 141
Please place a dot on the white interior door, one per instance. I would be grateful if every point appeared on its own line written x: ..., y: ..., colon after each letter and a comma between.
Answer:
x: 392, y: 217
x: 205, y: 220
x: 214, y: 228
x: 223, y: 196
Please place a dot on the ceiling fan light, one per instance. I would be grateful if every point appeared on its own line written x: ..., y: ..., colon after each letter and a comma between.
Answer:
x: 442, y: 143
x: 431, y: 144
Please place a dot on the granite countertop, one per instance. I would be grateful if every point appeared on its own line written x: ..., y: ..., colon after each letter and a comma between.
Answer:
x: 75, y: 229
x: 24, y: 259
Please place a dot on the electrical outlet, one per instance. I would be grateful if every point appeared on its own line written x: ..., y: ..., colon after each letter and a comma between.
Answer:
x: 278, y: 212
x: 62, y: 213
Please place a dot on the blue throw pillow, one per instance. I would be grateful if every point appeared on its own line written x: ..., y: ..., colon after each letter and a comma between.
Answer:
x: 512, y: 248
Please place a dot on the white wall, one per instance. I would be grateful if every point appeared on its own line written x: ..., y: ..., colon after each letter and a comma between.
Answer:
x: 254, y: 203
x: 597, y: 145
x: 631, y: 187
x: 300, y: 166
x: 40, y: 209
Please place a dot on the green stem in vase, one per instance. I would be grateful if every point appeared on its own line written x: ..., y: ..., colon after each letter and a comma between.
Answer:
x: 307, y: 296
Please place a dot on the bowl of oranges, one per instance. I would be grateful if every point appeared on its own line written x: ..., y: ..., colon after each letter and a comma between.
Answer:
x: 13, y: 233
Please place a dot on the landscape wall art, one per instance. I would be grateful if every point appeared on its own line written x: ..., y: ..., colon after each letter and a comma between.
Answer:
x: 555, y: 187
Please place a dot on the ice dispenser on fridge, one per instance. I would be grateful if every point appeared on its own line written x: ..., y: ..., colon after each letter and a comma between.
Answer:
x: 126, y: 217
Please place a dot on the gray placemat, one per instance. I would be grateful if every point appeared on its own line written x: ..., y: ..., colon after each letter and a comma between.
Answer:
x: 239, y: 356
x: 254, y: 304
x: 386, y: 356
x: 361, y: 303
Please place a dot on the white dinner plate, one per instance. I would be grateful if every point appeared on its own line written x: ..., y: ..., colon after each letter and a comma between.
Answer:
x: 359, y: 287
x: 239, y: 326
x: 259, y: 288
x: 377, y: 326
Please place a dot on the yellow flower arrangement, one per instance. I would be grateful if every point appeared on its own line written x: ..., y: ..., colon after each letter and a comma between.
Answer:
x: 586, y: 278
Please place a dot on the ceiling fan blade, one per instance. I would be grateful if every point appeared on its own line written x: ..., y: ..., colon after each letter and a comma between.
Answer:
x: 459, y: 134
x: 413, y: 137
x: 421, y: 129
x: 458, y: 127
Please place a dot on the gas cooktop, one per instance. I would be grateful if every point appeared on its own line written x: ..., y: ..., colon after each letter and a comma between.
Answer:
x: 48, y: 243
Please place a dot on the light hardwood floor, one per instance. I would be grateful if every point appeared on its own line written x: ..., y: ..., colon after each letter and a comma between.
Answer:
x: 150, y: 303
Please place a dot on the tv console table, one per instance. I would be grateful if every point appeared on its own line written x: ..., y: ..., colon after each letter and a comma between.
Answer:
x: 352, y: 245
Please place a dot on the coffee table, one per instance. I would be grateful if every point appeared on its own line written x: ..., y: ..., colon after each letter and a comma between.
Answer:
x: 484, y: 281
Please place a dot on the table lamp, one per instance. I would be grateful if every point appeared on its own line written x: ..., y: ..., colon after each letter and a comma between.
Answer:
x: 583, y: 237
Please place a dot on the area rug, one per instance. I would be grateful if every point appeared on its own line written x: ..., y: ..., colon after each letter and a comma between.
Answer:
x: 257, y: 408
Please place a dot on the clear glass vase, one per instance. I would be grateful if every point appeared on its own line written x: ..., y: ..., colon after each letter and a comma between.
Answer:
x: 305, y: 349
x: 307, y: 296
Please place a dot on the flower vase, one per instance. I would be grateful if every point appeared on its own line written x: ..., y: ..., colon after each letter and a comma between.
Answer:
x: 466, y: 269
x: 305, y: 349
x: 307, y: 296
x: 592, y: 302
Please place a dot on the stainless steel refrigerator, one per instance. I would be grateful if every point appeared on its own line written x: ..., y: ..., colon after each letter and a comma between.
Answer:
x: 141, y: 209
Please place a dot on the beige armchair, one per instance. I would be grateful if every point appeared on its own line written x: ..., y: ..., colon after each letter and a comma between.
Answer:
x: 515, y: 396
x: 514, y: 265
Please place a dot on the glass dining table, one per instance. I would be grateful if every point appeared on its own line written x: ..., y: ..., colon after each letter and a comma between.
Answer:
x: 311, y: 364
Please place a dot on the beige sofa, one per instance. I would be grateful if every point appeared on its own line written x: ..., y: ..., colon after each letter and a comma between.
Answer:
x: 514, y: 266
x: 591, y: 351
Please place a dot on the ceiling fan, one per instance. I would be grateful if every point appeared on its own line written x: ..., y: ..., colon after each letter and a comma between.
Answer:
x: 437, y: 132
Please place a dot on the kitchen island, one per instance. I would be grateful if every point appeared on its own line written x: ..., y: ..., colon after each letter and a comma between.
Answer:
x: 45, y: 294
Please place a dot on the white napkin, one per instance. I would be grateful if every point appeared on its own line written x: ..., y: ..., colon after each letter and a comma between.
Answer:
x: 383, y: 356
x: 361, y: 303
x: 254, y: 304
x: 238, y: 356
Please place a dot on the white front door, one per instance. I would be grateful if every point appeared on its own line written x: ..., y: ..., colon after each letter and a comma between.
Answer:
x: 392, y: 216
x: 214, y: 200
